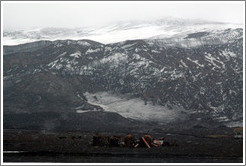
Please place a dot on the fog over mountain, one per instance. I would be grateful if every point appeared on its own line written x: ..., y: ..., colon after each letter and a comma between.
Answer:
x: 119, y: 31
x: 28, y: 15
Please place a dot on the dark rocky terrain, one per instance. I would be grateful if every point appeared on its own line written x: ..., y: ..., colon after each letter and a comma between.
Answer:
x: 44, y: 82
x: 193, y: 146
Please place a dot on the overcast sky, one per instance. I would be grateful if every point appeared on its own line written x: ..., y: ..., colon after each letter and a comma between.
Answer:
x: 79, y: 14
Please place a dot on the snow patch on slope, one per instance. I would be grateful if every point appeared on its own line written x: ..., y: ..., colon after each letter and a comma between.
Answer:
x: 196, y: 62
x: 115, y: 59
x: 83, y: 43
x: 76, y: 54
x: 133, y: 108
x: 92, y: 50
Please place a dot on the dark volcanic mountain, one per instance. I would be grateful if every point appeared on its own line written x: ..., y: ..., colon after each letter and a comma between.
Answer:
x: 200, y: 74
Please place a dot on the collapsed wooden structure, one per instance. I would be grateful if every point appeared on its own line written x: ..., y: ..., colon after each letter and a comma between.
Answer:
x: 129, y: 141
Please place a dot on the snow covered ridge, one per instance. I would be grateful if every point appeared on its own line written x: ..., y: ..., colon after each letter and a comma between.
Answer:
x: 199, y: 38
x: 165, y: 28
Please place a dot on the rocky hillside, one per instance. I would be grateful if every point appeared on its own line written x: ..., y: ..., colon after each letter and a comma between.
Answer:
x: 200, y: 73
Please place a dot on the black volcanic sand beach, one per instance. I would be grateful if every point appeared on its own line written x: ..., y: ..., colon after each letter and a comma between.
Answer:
x: 198, y: 145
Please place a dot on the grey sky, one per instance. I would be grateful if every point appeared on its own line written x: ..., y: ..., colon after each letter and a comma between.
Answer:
x: 80, y: 14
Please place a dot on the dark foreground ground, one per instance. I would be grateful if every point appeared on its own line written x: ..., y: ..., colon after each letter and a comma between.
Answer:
x: 194, y: 146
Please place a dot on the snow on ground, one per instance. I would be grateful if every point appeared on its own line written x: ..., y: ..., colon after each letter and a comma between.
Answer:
x: 115, y: 59
x: 235, y: 124
x: 184, y: 64
x: 228, y: 54
x: 133, y: 107
x: 61, y: 55
x: 128, y: 45
x: 154, y: 51
x: 118, y: 35
x: 211, y: 59
x: 196, y: 62
x: 92, y: 50
x: 76, y: 54
x: 14, y: 41
x: 83, y: 43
